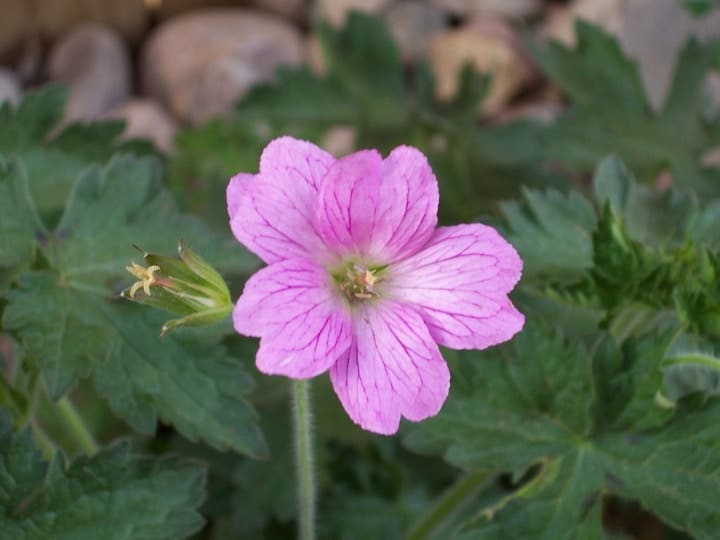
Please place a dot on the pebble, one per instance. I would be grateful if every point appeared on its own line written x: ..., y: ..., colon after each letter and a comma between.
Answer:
x: 94, y: 63
x: 491, y: 46
x: 200, y: 63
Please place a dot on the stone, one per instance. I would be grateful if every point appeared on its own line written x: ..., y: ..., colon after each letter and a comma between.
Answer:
x: 54, y: 18
x: 295, y: 10
x: 10, y: 89
x: 165, y: 9
x: 315, y: 56
x: 94, y: 63
x: 491, y: 46
x: 339, y: 140
x: 146, y: 119
x: 47, y: 20
x: 200, y: 63
x: 492, y: 8
x: 560, y: 22
x: 413, y: 24
x: 336, y: 11
x: 14, y: 24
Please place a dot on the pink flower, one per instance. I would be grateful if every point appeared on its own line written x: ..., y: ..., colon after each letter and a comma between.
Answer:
x: 360, y: 281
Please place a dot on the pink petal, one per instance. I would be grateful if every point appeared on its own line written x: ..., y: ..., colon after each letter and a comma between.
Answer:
x: 382, y: 209
x: 302, y: 323
x: 460, y: 283
x: 271, y: 212
x: 393, y: 369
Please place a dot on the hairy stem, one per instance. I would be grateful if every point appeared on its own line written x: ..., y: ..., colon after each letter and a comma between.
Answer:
x: 304, y: 466
x: 447, y: 506
x: 76, y: 426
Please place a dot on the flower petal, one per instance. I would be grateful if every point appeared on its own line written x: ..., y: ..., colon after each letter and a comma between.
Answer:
x: 383, y: 210
x: 302, y: 322
x: 271, y: 212
x: 393, y: 369
x: 459, y: 282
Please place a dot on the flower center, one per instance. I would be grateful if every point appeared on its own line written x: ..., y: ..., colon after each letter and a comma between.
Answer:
x: 358, y: 281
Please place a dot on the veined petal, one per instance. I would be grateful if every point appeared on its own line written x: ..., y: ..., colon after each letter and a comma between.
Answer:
x: 383, y: 210
x: 271, y: 213
x: 393, y: 369
x: 459, y: 282
x: 302, y: 323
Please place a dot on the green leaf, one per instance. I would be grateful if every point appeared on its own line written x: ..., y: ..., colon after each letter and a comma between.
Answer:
x: 70, y: 328
x: 581, y: 417
x: 53, y: 160
x: 114, y: 495
x: 611, y: 114
x: 364, y: 82
x: 185, y: 380
x: 698, y: 7
x: 552, y: 233
x: 17, y: 226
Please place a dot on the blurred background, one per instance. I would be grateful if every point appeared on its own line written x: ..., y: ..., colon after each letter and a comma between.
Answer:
x: 162, y: 64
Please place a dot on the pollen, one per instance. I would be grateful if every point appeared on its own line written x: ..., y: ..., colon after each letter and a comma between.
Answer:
x: 146, y: 277
x: 358, y: 282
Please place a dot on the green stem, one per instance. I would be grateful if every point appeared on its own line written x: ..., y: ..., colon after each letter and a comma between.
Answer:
x: 451, y: 502
x: 76, y: 426
x: 46, y: 443
x: 304, y: 467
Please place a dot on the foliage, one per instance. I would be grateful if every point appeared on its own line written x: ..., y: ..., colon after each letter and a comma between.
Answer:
x: 607, y: 400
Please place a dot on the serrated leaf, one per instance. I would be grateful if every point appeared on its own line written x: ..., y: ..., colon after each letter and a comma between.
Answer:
x: 17, y: 227
x: 611, y: 114
x: 542, y: 401
x: 364, y: 83
x: 191, y: 384
x: 552, y: 233
x: 114, y: 495
x: 53, y: 159
x: 70, y: 328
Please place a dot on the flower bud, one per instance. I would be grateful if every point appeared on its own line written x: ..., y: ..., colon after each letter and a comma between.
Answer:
x: 186, y: 286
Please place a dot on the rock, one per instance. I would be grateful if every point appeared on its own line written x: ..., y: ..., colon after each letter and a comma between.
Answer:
x: 165, y: 9
x: 496, y: 8
x: 336, y: 11
x: 14, y: 24
x: 47, y: 20
x: 95, y: 64
x: 339, y: 140
x: 223, y: 53
x: 490, y: 46
x: 413, y: 23
x: 315, y: 56
x: 654, y: 31
x: 295, y: 10
x: 10, y: 90
x: 560, y: 22
x: 54, y: 18
x: 146, y: 119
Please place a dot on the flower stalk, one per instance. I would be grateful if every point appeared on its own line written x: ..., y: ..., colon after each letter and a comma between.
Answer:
x: 304, y: 462
x: 449, y: 505
x: 75, y: 425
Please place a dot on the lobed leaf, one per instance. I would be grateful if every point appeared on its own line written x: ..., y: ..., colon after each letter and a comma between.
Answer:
x: 113, y: 495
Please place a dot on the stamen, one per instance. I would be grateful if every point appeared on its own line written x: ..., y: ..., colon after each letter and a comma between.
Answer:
x: 358, y: 282
x: 145, y: 275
